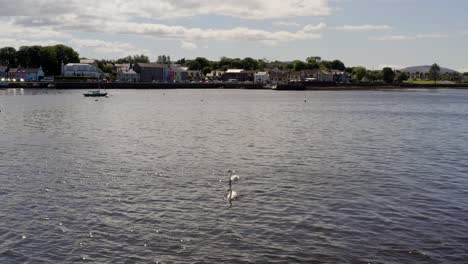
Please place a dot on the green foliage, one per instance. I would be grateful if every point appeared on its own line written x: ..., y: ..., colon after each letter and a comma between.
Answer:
x: 133, y: 59
x: 207, y: 70
x: 388, y: 75
x: 434, y: 73
x: 47, y: 57
x: 402, y: 77
x: 194, y: 65
x: 374, y: 76
x: 163, y: 59
x: 8, y: 56
x: 359, y: 73
x: 299, y: 65
x: 338, y: 65
x: 181, y: 62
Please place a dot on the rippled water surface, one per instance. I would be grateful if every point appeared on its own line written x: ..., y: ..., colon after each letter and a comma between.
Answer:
x: 325, y: 177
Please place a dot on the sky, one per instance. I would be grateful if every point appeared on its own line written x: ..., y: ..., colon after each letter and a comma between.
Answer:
x: 370, y: 33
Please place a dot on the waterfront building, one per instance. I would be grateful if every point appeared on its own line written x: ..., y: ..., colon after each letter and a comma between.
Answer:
x: 235, y: 74
x: 31, y: 74
x: 278, y: 76
x: 215, y: 75
x: 340, y: 76
x: 128, y: 75
x: 261, y: 77
x: 81, y: 69
x: 11, y: 73
x: 3, y: 71
x: 150, y: 72
x: 91, y: 62
x: 295, y: 76
x: 312, y: 75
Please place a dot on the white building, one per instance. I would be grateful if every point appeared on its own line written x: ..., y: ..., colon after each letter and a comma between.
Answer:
x: 128, y: 76
x: 80, y: 69
x: 261, y: 77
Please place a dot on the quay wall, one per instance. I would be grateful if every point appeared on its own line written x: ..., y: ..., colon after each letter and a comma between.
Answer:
x: 290, y: 87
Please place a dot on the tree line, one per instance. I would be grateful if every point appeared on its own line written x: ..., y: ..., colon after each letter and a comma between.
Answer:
x: 49, y: 58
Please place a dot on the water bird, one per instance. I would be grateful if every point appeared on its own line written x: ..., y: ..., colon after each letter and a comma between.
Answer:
x: 232, y: 176
x: 232, y: 195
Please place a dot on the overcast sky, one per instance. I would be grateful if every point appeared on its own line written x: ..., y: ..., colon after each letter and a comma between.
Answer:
x: 372, y: 33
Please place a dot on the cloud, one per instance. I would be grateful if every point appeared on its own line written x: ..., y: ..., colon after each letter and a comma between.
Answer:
x: 362, y: 27
x: 115, y: 48
x: 320, y: 26
x: 285, y: 23
x: 410, y: 37
x: 167, y: 9
x: 397, y: 67
x: 186, y: 45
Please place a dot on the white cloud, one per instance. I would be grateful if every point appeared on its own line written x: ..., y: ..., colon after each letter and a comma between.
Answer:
x: 164, y: 9
x: 397, y: 67
x: 287, y: 24
x: 30, y: 17
x: 115, y: 48
x: 362, y: 27
x: 320, y: 26
x: 187, y: 45
x: 411, y: 37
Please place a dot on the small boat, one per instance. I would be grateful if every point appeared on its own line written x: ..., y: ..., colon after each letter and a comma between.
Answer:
x: 97, y: 93
x: 270, y: 86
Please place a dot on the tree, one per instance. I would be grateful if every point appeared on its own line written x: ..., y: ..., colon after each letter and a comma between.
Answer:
x: 359, y: 73
x: 181, y: 61
x: 48, y: 60
x: 207, y: 70
x: 388, y: 75
x: 338, y: 65
x: 8, y: 56
x: 203, y: 62
x: 299, y: 65
x: 163, y: 59
x: 326, y: 65
x: 249, y: 64
x: 402, y: 77
x: 194, y: 65
x: 314, y: 59
x: 434, y: 73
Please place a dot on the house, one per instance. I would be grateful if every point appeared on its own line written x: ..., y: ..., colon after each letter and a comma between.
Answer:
x: 11, y: 73
x: 33, y: 74
x: 235, y: 74
x: 261, y: 77
x: 215, y: 75
x: 295, y: 76
x: 340, y: 76
x: 278, y: 76
x: 176, y: 73
x: 81, y: 69
x: 128, y: 76
x: 150, y: 72
x: 3, y: 71
x: 91, y: 62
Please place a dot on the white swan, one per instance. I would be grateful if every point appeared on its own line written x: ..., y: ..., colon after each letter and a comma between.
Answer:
x: 232, y: 195
x: 232, y: 177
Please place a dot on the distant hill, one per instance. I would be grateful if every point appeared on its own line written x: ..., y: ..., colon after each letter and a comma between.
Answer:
x: 425, y: 69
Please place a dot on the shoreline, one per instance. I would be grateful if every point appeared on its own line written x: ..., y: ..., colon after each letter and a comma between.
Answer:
x: 246, y: 86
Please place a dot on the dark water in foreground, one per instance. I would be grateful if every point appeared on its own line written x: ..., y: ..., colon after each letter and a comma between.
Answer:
x: 346, y: 177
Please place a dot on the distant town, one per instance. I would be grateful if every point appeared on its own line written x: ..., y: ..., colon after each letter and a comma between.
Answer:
x: 59, y: 62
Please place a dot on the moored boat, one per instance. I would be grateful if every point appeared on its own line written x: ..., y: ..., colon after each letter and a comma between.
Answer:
x: 97, y: 93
